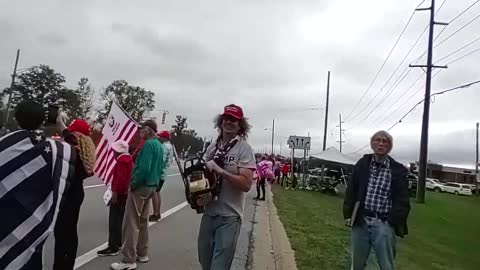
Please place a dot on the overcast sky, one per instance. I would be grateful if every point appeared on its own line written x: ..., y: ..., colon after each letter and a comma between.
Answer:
x: 269, y: 56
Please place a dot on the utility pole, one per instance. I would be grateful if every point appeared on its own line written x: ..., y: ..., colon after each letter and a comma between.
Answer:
x: 422, y: 167
x: 273, y: 133
x: 326, y: 124
x: 326, y: 114
x: 341, y: 132
x: 12, y: 85
x: 477, y: 192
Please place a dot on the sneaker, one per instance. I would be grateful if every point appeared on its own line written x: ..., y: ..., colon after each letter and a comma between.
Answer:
x: 262, y: 199
x: 154, y: 218
x: 123, y: 266
x: 108, y: 252
x: 143, y: 259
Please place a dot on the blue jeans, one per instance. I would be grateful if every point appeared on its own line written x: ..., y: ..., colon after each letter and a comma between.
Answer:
x: 377, y: 234
x: 217, y: 241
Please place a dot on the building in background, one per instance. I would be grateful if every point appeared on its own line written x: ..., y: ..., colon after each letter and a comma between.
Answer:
x: 446, y: 173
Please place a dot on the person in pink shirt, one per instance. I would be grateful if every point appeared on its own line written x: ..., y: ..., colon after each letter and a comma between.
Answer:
x: 264, y: 171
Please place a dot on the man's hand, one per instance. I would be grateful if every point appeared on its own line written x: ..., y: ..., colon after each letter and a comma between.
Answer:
x: 213, y: 167
x: 348, y: 222
x: 114, y: 199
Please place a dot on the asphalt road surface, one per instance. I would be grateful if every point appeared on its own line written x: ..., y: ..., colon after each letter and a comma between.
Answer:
x: 172, y: 239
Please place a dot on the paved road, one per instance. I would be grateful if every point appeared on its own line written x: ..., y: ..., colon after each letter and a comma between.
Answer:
x: 172, y: 240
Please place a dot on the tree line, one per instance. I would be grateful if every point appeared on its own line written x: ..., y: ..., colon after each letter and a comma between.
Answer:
x: 44, y: 85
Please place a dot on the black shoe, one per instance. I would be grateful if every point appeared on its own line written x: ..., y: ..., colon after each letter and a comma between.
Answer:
x: 154, y: 218
x: 108, y: 252
x: 262, y: 199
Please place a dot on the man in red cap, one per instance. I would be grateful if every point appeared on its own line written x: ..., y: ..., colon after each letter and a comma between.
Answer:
x: 164, y: 138
x: 232, y: 159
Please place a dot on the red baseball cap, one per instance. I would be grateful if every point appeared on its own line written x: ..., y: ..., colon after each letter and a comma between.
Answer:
x: 164, y: 134
x: 80, y: 126
x: 234, y: 111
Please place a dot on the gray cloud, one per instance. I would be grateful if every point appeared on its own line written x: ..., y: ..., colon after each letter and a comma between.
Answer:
x: 270, y: 56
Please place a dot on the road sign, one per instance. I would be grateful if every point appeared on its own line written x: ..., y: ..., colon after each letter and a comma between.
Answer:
x: 299, y: 142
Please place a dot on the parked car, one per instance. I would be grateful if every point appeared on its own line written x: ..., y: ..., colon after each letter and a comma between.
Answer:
x: 458, y: 189
x: 434, y: 184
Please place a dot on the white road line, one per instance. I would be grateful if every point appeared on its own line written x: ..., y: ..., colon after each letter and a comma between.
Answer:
x: 92, y: 254
x: 102, y: 185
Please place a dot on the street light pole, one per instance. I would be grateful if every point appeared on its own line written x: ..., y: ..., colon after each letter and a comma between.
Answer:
x: 12, y: 85
x: 273, y: 133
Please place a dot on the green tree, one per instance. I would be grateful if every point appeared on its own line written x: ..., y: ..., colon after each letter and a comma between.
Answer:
x: 185, y: 141
x: 39, y: 83
x: 135, y: 100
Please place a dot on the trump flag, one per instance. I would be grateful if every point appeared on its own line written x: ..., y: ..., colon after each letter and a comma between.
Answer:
x: 119, y: 126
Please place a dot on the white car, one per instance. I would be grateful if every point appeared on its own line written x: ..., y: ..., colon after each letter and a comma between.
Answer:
x: 434, y: 184
x: 458, y: 189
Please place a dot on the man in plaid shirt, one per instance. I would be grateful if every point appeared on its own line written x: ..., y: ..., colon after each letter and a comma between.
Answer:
x: 377, y: 204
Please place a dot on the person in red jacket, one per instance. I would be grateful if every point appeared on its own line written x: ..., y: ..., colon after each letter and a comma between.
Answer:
x: 120, y: 184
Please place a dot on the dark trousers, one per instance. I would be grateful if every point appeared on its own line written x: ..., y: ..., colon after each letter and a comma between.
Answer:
x: 115, y: 219
x: 66, y: 236
x: 261, y: 185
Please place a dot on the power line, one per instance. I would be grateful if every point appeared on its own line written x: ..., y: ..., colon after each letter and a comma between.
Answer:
x: 460, y: 58
x: 420, y: 102
x: 463, y: 12
x: 384, y: 62
x: 458, y: 30
x: 390, y: 91
x: 459, y: 49
x: 449, y: 23
x: 394, y: 72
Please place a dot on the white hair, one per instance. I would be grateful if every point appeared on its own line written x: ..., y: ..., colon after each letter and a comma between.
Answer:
x: 386, y: 135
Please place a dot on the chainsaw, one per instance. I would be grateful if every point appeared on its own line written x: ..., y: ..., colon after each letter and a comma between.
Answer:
x: 201, y: 185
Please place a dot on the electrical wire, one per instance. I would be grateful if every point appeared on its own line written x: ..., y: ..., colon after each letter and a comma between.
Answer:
x: 449, y: 23
x: 459, y: 49
x: 383, y: 64
x: 389, y: 92
x: 394, y: 72
x: 460, y: 58
x: 463, y: 86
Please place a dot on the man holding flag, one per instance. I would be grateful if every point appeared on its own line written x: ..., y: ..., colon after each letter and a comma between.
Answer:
x: 33, y: 182
x: 146, y: 174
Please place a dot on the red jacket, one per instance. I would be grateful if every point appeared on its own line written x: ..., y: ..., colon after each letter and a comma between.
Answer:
x: 122, y: 173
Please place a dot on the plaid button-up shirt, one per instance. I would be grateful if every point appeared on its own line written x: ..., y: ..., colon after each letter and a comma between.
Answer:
x: 378, y: 197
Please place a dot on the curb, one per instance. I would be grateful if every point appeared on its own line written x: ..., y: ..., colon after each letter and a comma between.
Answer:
x: 283, y: 254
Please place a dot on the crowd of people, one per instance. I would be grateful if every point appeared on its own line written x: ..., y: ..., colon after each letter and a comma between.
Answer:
x: 42, y: 190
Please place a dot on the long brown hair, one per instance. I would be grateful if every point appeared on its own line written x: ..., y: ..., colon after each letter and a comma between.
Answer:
x: 243, y: 123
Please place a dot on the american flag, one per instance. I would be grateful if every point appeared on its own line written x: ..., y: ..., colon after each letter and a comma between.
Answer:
x: 119, y: 126
x: 34, y: 176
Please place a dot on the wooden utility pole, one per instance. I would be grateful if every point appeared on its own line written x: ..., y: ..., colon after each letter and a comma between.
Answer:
x: 12, y: 86
x: 341, y: 141
x: 422, y: 166
x: 326, y: 124
x: 326, y: 114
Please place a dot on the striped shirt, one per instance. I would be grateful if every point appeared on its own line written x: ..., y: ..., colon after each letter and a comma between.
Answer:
x: 378, y: 197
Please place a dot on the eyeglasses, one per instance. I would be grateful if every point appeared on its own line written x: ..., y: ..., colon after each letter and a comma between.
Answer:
x: 381, y: 140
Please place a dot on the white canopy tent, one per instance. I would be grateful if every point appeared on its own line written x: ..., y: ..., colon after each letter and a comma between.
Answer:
x: 332, y: 155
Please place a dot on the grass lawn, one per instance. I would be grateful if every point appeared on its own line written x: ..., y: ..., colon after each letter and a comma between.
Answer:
x: 444, y: 232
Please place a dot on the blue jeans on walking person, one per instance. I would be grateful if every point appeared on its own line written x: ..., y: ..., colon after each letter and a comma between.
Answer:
x: 377, y: 234
x: 217, y: 241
